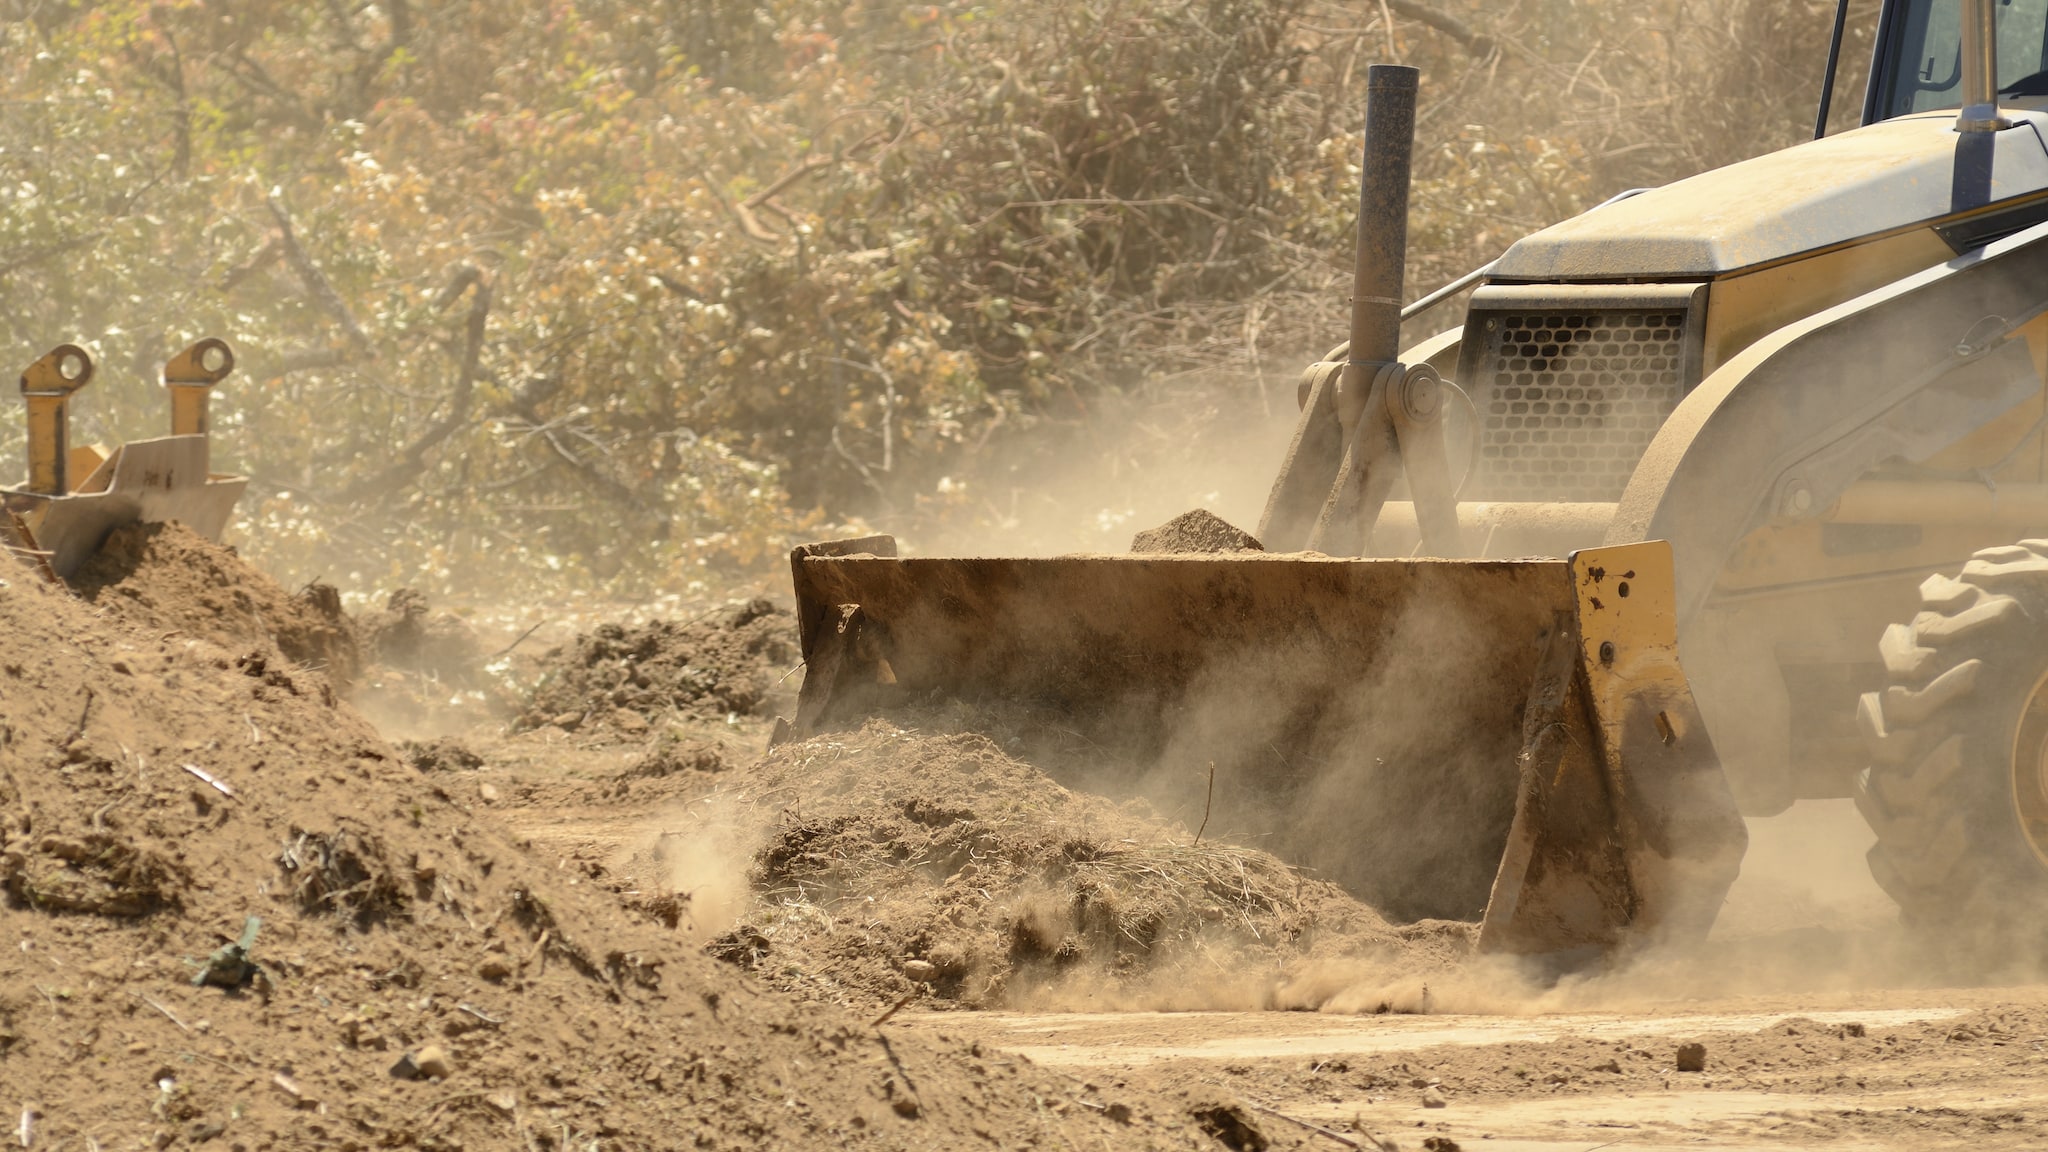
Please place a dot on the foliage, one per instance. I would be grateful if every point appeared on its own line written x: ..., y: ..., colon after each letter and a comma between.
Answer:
x: 625, y: 293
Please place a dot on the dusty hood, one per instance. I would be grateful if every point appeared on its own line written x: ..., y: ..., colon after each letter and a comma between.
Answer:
x: 1861, y: 183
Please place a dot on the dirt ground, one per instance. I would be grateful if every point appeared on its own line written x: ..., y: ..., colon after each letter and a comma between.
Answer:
x: 1820, y: 1026
x: 618, y: 922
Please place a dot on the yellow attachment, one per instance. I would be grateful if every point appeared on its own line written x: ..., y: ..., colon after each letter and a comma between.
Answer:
x: 47, y: 386
x: 191, y: 375
x: 1625, y: 831
x: 1508, y: 741
x: 81, y: 463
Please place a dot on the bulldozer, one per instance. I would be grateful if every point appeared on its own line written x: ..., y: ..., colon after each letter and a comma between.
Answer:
x: 1723, y: 495
x: 76, y: 495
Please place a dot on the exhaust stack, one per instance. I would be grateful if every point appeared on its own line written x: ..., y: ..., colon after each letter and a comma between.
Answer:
x: 1980, y: 69
x: 1382, y: 217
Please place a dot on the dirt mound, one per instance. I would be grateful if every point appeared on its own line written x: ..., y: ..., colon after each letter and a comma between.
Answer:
x: 414, y: 979
x: 407, y: 633
x: 1197, y: 531
x: 618, y: 679
x: 891, y: 861
x: 166, y: 577
x: 444, y: 755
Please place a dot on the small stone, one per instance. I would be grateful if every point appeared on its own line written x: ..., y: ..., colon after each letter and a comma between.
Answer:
x: 905, y: 1107
x: 1433, y: 1097
x: 627, y: 720
x: 566, y: 721
x: 1853, y: 1032
x: 494, y: 969
x: 1692, y: 1057
x: 920, y: 970
x: 489, y: 793
x: 433, y: 1060
x: 506, y: 1102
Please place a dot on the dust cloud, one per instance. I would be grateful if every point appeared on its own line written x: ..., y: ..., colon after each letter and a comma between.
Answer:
x: 702, y: 851
x: 1136, y: 462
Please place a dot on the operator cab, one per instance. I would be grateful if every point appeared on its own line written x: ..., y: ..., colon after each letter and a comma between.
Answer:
x: 1918, y: 58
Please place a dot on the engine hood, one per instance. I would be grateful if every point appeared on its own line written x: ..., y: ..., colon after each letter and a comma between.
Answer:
x: 1863, y: 183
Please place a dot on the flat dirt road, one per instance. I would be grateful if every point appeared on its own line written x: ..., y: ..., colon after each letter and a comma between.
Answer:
x: 1817, y: 1033
x: 1955, y: 1068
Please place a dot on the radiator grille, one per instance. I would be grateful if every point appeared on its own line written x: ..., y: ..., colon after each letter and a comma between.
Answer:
x: 1569, y: 400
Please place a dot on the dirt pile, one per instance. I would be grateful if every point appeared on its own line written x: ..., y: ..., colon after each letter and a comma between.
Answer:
x: 415, y: 979
x: 409, y: 634
x: 617, y: 680
x: 1197, y: 531
x: 166, y: 577
x: 426, y: 673
x: 890, y: 862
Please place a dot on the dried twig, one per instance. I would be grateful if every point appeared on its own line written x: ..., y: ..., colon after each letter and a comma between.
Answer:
x: 1377, y: 1145
x: 78, y: 729
x: 1206, y: 802
x: 893, y: 1009
x: 219, y: 787
x: 507, y: 649
x: 166, y: 1011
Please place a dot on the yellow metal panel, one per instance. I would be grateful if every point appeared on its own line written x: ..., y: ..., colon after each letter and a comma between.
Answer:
x: 1746, y: 307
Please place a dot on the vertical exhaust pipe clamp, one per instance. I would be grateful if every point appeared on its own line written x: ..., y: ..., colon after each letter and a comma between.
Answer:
x: 1980, y: 69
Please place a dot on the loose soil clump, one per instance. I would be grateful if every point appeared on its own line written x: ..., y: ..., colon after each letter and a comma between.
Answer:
x: 1198, y: 531
x: 892, y: 862
x: 166, y: 577
x: 617, y: 679
x: 409, y: 634
x: 235, y: 917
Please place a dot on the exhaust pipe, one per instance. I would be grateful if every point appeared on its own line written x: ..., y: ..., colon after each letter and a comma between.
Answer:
x: 1376, y: 279
x: 1980, y: 69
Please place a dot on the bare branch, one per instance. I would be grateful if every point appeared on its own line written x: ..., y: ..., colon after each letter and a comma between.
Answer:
x: 318, y: 286
x: 412, y: 459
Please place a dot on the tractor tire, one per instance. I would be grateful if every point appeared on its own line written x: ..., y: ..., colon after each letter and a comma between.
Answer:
x: 1957, y: 790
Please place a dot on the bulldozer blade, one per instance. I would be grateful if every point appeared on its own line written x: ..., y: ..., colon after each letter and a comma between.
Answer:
x: 1427, y: 732
x: 149, y: 480
x: 1625, y: 832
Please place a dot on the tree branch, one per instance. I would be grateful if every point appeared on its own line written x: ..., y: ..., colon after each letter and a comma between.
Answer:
x: 412, y: 460
x: 318, y: 286
x: 1478, y: 43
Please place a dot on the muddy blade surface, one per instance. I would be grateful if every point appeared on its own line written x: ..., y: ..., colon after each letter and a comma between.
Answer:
x: 1363, y: 717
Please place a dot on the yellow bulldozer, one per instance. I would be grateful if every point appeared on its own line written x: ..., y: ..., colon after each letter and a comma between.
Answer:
x: 1723, y: 495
